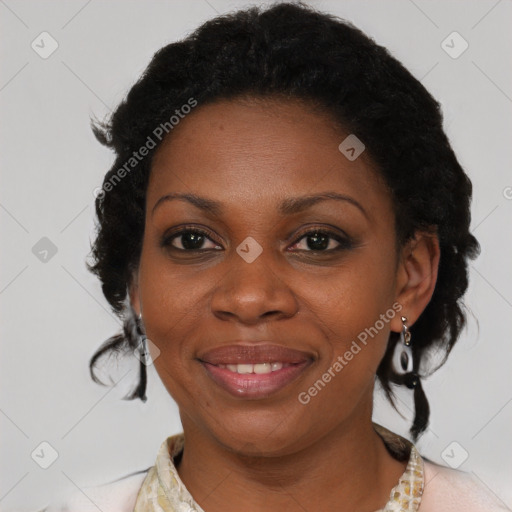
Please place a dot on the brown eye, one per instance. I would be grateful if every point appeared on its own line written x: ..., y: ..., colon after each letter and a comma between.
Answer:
x: 323, y: 241
x: 190, y: 240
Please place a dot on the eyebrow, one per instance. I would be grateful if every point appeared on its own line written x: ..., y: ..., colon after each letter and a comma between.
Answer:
x: 289, y: 206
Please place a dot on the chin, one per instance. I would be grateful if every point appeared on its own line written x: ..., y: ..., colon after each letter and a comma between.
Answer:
x: 261, y: 434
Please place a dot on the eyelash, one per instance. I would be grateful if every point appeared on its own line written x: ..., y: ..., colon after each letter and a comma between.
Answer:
x: 345, y: 243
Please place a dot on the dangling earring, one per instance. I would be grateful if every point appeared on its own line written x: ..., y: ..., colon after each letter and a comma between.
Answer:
x: 403, y: 357
x: 143, y: 351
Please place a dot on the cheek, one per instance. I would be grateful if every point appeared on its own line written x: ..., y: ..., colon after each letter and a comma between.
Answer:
x: 172, y: 315
x: 354, y: 309
x: 353, y: 298
x: 171, y: 302
x: 357, y: 340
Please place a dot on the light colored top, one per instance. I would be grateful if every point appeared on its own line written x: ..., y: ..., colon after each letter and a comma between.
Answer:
x: 423, y: 487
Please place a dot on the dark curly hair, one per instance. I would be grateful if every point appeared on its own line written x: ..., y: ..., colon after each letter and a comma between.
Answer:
x: 293, y: 51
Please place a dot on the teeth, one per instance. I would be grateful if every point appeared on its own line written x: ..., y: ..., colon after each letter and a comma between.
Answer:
x: 244, y: 368
x: 258, y: 368
x: 262, y: 368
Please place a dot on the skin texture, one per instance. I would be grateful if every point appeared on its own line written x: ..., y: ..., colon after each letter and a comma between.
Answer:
x: 275, y: 453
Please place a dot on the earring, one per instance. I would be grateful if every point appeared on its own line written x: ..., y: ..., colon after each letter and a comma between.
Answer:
x: 140, y: 324
x: 143, y: 350
x: 403, y: 357
x: 144, y: 357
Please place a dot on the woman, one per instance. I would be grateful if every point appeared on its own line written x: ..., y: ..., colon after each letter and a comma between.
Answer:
x: 285, y: 223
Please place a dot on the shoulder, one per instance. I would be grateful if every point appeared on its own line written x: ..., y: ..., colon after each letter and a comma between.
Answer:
x: 117, y: 496
x: 450, y: 490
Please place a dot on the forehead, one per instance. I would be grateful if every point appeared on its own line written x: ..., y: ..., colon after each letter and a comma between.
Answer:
x: 257, y: 152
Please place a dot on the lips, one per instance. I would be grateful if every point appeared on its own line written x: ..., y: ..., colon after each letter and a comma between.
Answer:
x: 254, y: 354
x: 254, y: 371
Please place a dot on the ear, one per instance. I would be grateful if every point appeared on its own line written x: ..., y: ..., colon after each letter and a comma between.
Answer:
x: 416, y: 277
x: 133, y: 292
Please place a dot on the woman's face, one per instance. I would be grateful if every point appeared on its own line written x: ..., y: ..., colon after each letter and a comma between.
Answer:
x: 275, y: 293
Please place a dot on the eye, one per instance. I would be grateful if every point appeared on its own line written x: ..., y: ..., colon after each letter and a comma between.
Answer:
x: 189, y: 240
x: 316, y: 240
x: 321, y: 240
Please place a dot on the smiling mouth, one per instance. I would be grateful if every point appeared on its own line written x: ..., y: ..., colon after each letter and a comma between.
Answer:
x: 248, y: 384
x: 254, y: 371
x: 258, y: 368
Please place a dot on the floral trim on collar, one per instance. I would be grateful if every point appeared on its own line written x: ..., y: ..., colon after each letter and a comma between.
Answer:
x: 406, y: 495
x: 163, y: 490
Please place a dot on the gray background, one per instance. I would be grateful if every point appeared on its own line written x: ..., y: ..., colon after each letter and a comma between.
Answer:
x: 53, y: 313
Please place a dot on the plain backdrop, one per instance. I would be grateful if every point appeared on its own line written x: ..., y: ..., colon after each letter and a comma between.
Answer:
x: 53, y: 313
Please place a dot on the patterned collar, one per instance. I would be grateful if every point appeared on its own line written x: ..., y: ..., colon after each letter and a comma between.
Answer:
x: 407, y: 493
x: 163, y: 490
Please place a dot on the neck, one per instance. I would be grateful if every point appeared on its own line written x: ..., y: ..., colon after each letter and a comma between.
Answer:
x: 332, y: 474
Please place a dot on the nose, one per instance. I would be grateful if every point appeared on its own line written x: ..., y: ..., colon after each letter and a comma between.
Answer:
x: 254, y: 292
